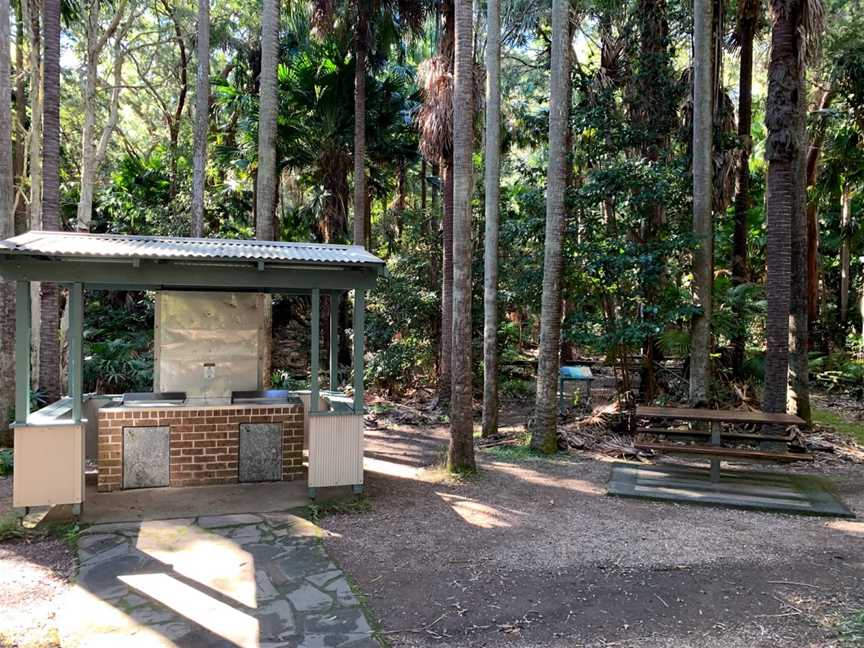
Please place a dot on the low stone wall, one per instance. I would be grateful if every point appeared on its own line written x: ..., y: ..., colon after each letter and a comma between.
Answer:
x: 203, y: 443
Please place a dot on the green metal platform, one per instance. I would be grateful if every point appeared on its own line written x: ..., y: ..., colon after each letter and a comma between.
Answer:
x: 761, y: 491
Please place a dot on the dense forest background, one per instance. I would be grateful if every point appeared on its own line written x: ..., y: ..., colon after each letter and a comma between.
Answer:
x: 128, y: 161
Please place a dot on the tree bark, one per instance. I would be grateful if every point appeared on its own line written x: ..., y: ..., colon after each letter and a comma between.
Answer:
x: 265, y: 208
x: 7, y: 223
x: 202, y: 118
x: 32, y: 19
x: 20, y: 163
x: 782, y: 149
x: 798, y: 390
x: 360, y: 54
x: 492, y: 198
x: 544, y: 433
x: 49, y: 361
x: 740, y: 272
x: 444, y: 369
x: 703, y: 229
x: 460, y: 455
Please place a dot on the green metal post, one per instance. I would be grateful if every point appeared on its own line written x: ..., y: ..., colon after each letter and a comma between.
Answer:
x: 334, y: 341
x: 22, y: 351
x: 76, y: 355
x: 359, y: 340
x: 316, y: 345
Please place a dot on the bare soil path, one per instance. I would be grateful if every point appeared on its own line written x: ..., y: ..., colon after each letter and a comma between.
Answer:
x: 533, y: 553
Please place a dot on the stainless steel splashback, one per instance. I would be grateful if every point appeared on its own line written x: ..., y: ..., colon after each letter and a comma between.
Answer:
x: 207, y: 344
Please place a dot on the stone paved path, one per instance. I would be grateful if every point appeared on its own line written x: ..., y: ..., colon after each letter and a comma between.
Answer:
x: 231, y: 580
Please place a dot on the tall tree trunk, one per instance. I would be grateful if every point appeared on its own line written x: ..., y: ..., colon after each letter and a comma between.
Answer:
x: 781, y: 151
x: 32, y: 19
x: 798, y: 391
x: 814, y: 153
x: 460, y: 455
x: 20, y: 163
x: 360, y: 54
x: 544, y: 433
x: 845, y: 221
x: 491, y: 183
x: 740, y: 273
x: 49, y: 362
x: 265, y: 208
x: 93, y: 151
x: 703, y: 229
x: 445, y: 366
x: 7, y: 223
x: 202, y: 118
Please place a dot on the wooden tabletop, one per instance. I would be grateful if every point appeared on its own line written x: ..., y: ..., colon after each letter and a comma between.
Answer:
x: 721, y: 416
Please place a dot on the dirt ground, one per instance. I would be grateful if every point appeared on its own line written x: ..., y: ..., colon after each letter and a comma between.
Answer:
x: 533, y: 553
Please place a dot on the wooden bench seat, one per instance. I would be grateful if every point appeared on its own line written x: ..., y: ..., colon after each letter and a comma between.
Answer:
x: 754, y: 436
x: 720, y: 452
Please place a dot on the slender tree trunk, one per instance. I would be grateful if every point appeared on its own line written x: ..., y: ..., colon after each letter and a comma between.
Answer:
x: 703, y: 229
x: 7, y: 223
x: 845, y: 221
x: 174, y: 119
x: 265, y: 209
x: 798, y: 391
x: 21, y: 224
x: 32, y: 19
x: 92, y: 151
x: 460, y: 455
x: 49, y: 362
x: 740, y: 273
x: 491, y: 182
x: 202, y: 118
x: 444, y: 370
x: 782, y: 149
x: 423, y: 173
x: 544, y: 434
x: 360, y: 54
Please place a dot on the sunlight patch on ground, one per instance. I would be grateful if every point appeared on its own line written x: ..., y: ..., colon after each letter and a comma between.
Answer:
x: 533, y: 477
x: 391, y: 468
x: 847, y: 526
x: 478, y: 514
x: 223, y: 620
x: 202, y: 556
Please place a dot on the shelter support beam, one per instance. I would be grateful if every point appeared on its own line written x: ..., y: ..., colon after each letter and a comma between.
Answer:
x: 334, y: 341
x: 76, y: 354
x: 359, y: 342
x: 22, y: 351
x: 315, y: 343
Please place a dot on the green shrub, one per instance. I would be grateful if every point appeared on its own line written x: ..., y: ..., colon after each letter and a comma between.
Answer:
x: 6, y: 462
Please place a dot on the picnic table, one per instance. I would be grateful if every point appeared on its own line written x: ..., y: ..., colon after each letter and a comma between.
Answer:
x: 713, y: 429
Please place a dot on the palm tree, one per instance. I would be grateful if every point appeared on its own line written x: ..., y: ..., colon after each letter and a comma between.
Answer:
x: 49, y: 361
x: 361, y: 50
x: 491, y: 183
x: 794, y: 25
x: 460, y: 456
x: 265, y: 206
x: 202, y: 118
x: 703, y: 256
x: 434, y: 121
x: 544, y: 435
x: 745, y: 32
x: 7, y: 220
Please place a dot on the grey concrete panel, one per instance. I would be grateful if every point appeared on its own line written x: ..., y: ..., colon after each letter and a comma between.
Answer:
x: 260, y: 452
x: 145, y: 457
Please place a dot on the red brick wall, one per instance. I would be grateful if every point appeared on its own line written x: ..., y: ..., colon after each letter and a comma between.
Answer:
x: 204, y: 443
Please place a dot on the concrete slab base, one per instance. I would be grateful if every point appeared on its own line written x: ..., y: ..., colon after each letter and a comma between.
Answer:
x: 763, y: 491
x: 193, y: 501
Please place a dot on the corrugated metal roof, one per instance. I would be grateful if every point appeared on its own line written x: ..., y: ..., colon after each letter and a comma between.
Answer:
x: 115, y: 246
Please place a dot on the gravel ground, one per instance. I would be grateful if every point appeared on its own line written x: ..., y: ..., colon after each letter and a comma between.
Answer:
x: 34, y: 574
x: 533, y: 553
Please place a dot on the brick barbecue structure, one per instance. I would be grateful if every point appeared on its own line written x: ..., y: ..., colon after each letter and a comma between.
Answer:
x: 203, y: 444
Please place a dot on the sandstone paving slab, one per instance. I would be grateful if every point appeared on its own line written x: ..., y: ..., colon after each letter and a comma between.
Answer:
x: 229, y: 580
